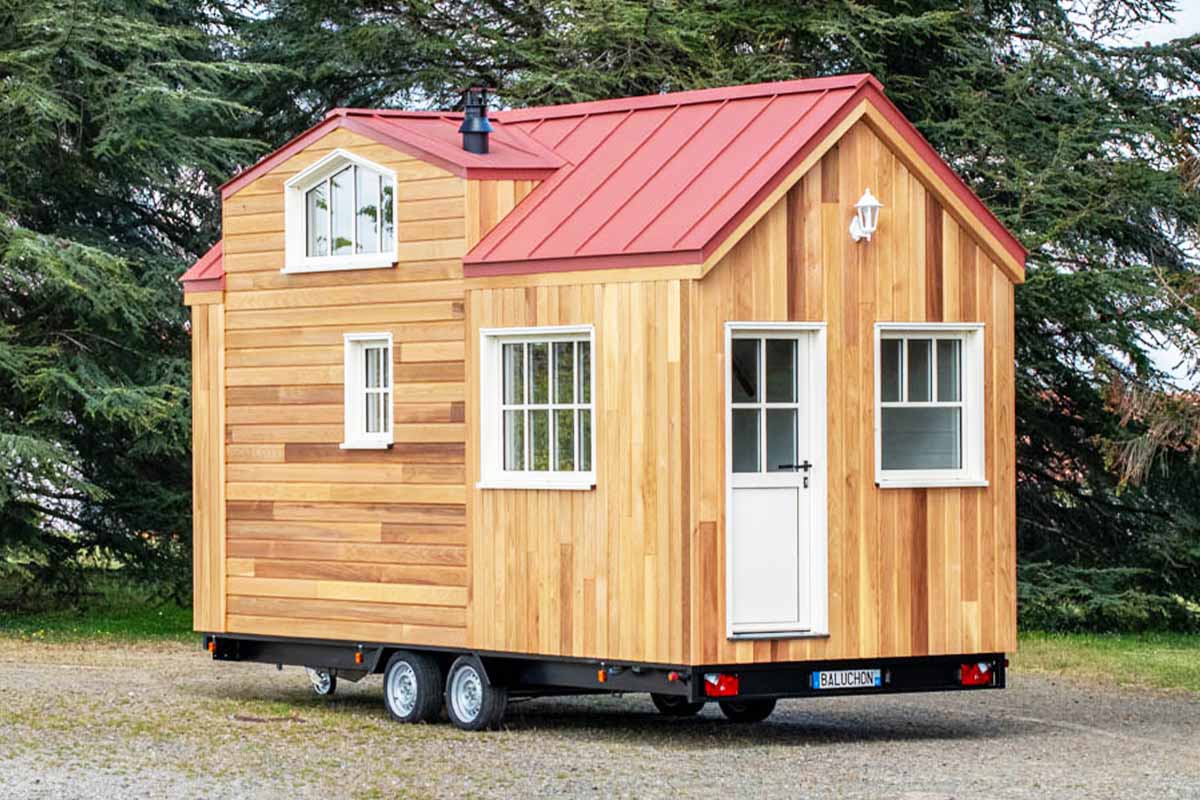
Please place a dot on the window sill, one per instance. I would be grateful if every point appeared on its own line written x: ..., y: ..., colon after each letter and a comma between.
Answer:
x: 930, y: 483
x: 341, y: 263
x: 582, y: 483
x: 365, y: 446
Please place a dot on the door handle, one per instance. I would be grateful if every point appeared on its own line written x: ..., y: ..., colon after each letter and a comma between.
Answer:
x: 805, y: 467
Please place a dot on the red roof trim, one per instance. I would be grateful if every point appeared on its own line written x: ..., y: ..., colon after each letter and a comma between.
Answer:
x: 207, y: 274
x: 671, y: 258
x: 695, y: 96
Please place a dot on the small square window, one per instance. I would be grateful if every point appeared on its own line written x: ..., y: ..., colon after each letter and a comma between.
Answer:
x: 929, y: 405
x: 536, y: 408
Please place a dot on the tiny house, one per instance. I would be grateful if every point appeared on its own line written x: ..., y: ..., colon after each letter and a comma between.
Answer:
x: 707, y: 395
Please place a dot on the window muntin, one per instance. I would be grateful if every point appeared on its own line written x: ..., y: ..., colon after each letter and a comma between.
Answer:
x: 537, y: 423
x: 929, y: 427
x: 340, y: 215
x: 369, y: 390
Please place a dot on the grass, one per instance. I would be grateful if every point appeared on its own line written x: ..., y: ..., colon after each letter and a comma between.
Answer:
x: 1155, y: 660
x: 112, y: 611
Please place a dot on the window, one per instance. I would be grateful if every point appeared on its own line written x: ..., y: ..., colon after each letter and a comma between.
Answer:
x: 340, y: 214
x: 929, y: 405
x: 368, y: 390
x: 537, y: 422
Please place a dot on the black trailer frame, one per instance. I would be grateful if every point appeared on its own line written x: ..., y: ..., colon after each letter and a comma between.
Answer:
x: 532, y: 675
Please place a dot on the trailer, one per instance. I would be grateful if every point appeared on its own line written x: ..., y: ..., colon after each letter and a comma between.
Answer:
x: 707, y: 395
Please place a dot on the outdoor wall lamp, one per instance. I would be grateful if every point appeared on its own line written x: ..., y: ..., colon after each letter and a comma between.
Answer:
x: 866, y: 217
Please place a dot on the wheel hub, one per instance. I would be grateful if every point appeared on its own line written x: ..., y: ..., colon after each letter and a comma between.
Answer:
x: 402, y: 689
x: 467, y: 694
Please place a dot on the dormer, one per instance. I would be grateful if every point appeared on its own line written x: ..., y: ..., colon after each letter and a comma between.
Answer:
x: 340, y: 213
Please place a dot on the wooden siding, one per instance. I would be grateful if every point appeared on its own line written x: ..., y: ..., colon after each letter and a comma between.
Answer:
x: 911, y: 571
x: 325, y: 542
x: 599, y: 573
x: 208, y: 496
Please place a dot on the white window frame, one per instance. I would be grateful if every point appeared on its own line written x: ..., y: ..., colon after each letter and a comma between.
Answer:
x: 491, y: 418
x: 973, y: 450
x: 355, y: 435
x: 296, y: 258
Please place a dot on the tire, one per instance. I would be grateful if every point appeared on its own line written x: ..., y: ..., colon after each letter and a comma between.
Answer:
x: 670, y: 705
x: 471, y: 703
x: 324, y: 681
x: 747, y: 710
x: 412, y: 687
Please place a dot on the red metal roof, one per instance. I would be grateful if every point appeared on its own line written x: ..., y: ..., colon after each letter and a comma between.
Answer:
x: 642, y: 181
x: 429, y: 135
x: 663, y: 179
x: 207, y: 274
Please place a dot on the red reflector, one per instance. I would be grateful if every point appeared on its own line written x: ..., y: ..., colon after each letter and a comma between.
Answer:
x: 979, y: 674
x: 672, y: 677
x: 720, y: 685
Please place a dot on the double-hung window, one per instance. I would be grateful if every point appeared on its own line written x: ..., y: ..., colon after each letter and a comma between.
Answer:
x: 368, y: 390
x: 929, y: 404
x: 340, y: 214
x: 537, y: 423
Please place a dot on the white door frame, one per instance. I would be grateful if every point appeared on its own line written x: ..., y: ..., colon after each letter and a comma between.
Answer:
x: 816, y: 555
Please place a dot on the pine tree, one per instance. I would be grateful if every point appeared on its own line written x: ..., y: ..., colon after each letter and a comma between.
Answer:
x: 119, y: 120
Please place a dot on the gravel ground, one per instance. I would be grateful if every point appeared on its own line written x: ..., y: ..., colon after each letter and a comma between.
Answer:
x: 100, y: 721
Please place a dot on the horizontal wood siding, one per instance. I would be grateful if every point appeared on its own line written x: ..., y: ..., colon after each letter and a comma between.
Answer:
x: 332, y: 543
x: 596, y: 573
x: 911, y: 571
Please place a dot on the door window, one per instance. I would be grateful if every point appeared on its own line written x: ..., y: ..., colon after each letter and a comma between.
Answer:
x: 763, y: 402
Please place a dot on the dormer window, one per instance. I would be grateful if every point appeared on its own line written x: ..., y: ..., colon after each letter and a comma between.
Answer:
x: 341, y: 214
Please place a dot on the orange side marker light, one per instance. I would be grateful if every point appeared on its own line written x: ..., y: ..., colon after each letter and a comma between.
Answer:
x: 601, y: 676
x: 212, y: 646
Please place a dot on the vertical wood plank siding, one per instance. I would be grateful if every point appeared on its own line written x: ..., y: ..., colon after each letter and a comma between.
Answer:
x: 208, y: 518
x: 912, y: 571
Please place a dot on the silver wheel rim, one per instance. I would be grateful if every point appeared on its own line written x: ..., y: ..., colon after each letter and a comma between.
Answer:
x: 321, y: 680
x: 466, y: 693
x: 402, y: 688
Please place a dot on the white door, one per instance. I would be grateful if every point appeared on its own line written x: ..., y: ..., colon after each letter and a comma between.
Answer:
x: 775, y: 451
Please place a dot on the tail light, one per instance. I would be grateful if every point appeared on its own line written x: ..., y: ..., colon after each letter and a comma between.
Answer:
x: 979, y: 674
x: 720, y: 685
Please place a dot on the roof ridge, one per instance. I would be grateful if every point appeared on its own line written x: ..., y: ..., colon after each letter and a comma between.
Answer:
x: 688, y: 97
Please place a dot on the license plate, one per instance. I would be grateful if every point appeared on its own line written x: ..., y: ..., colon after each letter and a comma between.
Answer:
x: 847, y: 679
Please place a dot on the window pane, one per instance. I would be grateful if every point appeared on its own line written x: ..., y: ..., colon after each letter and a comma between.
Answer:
x: 745, y: 440
x: 781, y: 370
x: 366, y: 193
x: 890, y: 354
x: 377, y: 412
x: 585, y: 371
x: 922, y: 438
x: 539, y: 431
x: 375, y: 367
x: 514, y: 374
x: 539, y: 371
x: 342, y: 200
x: 317, y: 204
x: 919, y: 371
x: 564, y: 440
x: 949, y: 361
x: 745, y: 370
x: 564, y: 372
x: 781, y: 439
x: 585, y: 440
x: 514, y: 440
x: 389, y: 232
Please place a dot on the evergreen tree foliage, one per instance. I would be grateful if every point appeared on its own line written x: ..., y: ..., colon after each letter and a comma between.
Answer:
x: 119, y: 120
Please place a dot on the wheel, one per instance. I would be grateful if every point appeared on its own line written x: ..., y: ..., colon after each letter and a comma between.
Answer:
x: 324, y: 681
x: 671, y: 705
x: 412, y: 687
x: 471, y: 703
x: 747, y: 710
